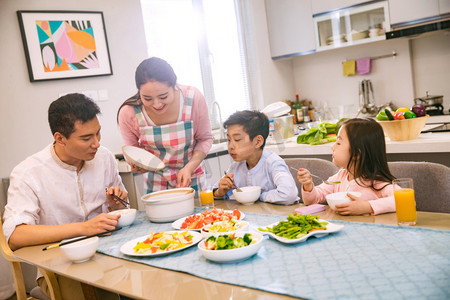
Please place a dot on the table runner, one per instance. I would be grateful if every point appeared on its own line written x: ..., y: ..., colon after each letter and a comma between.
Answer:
x: 363, y: 260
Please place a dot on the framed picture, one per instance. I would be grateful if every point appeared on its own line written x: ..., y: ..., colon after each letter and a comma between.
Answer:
x: 64, y: 44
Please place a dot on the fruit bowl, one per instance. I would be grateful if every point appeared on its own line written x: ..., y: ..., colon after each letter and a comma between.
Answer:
x: 403, y: 130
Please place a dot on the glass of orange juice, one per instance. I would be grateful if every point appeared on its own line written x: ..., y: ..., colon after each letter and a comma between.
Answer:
x: 405, y: 202
x: 205, y: 193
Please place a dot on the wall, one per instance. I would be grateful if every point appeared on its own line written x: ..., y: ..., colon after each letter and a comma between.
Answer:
x: 421, y: 64
x: 23, y: 104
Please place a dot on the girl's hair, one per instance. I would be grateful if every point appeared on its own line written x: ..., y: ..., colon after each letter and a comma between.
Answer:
x: 367, y: 151
x: 151, y: 69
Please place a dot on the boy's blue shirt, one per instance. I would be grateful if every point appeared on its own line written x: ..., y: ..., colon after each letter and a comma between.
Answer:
x: 271, y: 173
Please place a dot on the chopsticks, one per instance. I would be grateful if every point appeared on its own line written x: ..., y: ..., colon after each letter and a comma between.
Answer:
x: 79, y: 239
x: 124, y: 203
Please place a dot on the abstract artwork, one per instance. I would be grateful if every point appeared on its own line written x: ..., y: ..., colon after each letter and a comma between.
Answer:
x: 64, y: 44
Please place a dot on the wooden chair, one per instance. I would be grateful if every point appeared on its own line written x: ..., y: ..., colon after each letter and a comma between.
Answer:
x: 431, y: 183
x: 317, y: 166
x: 17, y: 272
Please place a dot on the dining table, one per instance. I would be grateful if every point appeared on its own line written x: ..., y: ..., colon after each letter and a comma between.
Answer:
x: 371, y: 257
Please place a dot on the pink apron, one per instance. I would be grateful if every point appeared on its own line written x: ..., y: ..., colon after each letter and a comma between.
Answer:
x: 173, y: 144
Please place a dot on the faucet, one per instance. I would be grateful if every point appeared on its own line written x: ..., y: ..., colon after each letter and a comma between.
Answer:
x: 222, y: 132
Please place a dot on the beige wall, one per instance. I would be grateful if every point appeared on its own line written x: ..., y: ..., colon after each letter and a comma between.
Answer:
x: 23, y: 104
x: 422, y: 64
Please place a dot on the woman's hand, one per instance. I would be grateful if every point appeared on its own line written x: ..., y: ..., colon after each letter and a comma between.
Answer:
x: 184, y: 176
x: 136, y: 169
x: 358, y: 206
x: 225, y: 184
x: 305, y: 178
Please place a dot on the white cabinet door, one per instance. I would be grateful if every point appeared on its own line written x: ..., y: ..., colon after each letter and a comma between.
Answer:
x: 444, y: 6
x: 410, y: 10
x: 319, y: 6
x: 212, y: 170
x: 225, y: 161
x: 290, y: 25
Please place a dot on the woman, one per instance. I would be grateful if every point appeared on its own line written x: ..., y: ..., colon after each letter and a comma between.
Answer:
x: 169, y: 120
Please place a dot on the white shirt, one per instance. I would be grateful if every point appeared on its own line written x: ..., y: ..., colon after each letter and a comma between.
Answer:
x: 270, y: 173
x: 45, y: 190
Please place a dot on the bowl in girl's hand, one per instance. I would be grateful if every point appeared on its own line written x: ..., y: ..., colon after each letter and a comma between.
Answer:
x: 127, y: 216
x: 248, y: 195
x: 339, y: 198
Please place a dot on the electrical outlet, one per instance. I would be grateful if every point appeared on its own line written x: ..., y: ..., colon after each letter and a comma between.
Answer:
x: 91, y: 94
x: 103, y: 95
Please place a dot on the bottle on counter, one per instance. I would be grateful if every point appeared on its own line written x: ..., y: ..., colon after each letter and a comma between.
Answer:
x: 306, y: 118
x: 298, y: 110
x: 311, y: 111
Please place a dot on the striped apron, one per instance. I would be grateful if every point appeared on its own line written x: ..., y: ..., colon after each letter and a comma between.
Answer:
x: 173, y: 144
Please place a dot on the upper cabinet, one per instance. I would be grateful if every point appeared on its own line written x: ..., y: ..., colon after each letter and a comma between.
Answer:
x: 320, y: 6
x: 290, y: 25
x: 358, y: 24
x: 403, y: 12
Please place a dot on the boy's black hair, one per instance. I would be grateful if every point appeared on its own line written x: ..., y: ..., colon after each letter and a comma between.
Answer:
x: 254, y: 122
x: 66, y: 110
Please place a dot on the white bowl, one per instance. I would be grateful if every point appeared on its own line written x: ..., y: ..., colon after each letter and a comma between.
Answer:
x: 169, y: 205
x: 206, y: 230
x: 339, y: 198
x: 142, y: 158
x: 81, y: 251
x: 232, y: 255
x: 248, y: 195
x: 127, y: 216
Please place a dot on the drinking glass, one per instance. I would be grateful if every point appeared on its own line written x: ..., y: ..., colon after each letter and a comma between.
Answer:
x: 405, y: 203
x: 205, y: 193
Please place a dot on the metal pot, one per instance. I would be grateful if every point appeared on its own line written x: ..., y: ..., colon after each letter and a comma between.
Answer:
x: 429, y: 100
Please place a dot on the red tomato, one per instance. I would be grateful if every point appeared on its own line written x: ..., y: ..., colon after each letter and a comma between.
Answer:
x: 399, y: 115
x: 237, y: 214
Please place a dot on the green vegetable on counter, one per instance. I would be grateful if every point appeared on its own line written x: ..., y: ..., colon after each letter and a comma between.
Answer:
x: 296, y: 226
x: 389, y: 114
x: 324, y: 132
x: 382, y: 116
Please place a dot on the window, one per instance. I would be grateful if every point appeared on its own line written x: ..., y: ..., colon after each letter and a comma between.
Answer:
x: 202, y: 41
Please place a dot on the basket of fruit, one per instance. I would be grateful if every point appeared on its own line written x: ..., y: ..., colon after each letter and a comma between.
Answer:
x: 403, y: 124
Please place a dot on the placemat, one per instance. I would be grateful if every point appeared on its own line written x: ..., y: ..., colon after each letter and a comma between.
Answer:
x: 362, y: 261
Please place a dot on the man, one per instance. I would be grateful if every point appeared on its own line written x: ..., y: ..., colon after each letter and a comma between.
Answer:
x: 59, y: 192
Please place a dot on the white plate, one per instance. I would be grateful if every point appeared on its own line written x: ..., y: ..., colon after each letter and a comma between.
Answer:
x: 127, y: 248
x: 317, y: 233
x: 233, y: 255
x: 177, y: 224
x: 142, y: 158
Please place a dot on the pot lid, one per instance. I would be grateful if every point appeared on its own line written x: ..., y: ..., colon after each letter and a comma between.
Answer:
x: 429, y: 97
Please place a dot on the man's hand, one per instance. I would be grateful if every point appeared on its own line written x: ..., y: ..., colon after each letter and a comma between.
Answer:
x: 113, y: 203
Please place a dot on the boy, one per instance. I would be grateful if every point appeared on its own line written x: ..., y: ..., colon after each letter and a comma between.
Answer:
x: 247, y: 132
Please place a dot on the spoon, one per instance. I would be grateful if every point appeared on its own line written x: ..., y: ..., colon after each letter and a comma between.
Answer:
x: 237, y: 189
x: 324, y: 181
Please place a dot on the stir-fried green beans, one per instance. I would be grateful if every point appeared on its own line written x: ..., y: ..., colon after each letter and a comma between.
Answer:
x: 296, y: 226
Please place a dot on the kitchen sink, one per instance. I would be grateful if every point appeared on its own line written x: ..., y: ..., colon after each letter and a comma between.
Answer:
x: 219, y: 141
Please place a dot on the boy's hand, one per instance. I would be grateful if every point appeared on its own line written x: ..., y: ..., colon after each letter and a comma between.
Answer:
x: 305, y: 178
x: 225, y: 184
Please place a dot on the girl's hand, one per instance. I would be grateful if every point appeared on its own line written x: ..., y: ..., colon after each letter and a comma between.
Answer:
x: 184, y: 177
x: 356, y: 207
x: 225, y: 184
x: 305, y: 178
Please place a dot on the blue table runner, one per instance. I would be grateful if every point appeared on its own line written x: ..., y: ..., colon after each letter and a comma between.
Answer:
x: 362, y: 261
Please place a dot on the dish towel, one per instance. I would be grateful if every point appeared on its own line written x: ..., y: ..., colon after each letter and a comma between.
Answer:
x: 349, y: 67
x: 363, y: 66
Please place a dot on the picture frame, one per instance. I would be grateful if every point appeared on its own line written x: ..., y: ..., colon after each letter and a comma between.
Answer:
x: 64, y: 44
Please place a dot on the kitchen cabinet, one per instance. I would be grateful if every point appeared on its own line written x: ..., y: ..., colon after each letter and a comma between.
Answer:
x: 405, y: 11
x: 351, y: 26
x: 320, y: 6
x: 216, y: 164
x: 444, y: 7
x: 290, y: 26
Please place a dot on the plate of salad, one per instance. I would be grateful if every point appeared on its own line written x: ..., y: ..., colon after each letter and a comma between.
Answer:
x: 197, y: 221
x: 161, y: 243
x: 298, y: 228
x: 231, y: 248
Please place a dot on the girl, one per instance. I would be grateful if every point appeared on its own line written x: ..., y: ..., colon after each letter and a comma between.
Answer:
x: 360, y: 151
x: 170, y: 121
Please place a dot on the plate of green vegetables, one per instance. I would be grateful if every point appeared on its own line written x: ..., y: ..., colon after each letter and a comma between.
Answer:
x: 298, y: 228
